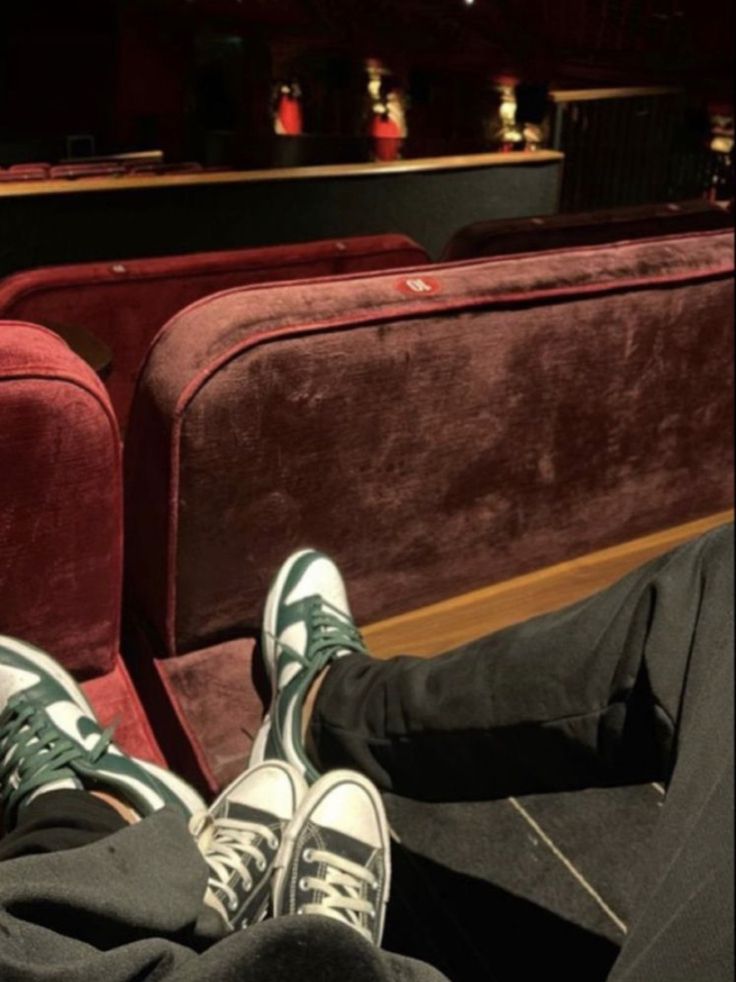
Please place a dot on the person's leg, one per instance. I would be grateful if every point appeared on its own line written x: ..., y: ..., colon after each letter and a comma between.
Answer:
x: 84, y: 890
x: 633, y: 684
x: 683, y: 927
x: 128, y: 904
x: 50, y: 740
x: 60, y: 820
x: 590, y: 695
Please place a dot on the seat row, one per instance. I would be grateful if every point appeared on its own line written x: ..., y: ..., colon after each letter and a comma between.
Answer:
x: 435, y: 428
x: 52, y: 172
x: 124, y: 303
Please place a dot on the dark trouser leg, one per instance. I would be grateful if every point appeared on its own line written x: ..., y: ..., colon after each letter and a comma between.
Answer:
x: 60, y: 820
x: 633, y: 684
x: 127, y: 908
x: 589, y: 695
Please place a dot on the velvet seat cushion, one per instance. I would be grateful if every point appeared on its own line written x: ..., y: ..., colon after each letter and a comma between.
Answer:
x: 125, y: 303
x: 519, y: 235
x: 117, y: 704
x: 434, y: 430
x: 61, y: 520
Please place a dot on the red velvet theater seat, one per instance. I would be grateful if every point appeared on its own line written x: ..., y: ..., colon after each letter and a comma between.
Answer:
x: 29, y: 172
x: 159, y: 167
x: 125, y: 303
x: 61, y: 522
x: 30, y: 165
x: 519, y: 235
x: 435, y: 430
x: 75, y: 171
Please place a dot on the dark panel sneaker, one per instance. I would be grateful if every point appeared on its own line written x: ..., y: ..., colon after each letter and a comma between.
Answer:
x: 239, y: 837
x: 306, y: 624
x: 50, y: 739
x: 335, y: 859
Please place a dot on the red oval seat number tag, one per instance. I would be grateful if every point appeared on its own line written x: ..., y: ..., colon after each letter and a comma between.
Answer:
x: 418, y: 286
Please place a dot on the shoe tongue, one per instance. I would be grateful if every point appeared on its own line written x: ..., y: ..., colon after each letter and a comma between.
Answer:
x: 343, y: 845
x: 241, y: 812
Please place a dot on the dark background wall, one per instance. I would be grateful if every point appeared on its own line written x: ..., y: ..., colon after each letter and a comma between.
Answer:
x: 181, y: 75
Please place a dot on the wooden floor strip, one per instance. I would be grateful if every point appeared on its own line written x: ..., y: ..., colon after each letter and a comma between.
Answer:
x: 569, y: 866
x: 441, y: 626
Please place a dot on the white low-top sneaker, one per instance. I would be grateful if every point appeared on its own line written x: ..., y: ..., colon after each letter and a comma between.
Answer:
x: 240, y: 836
x: 306, y: 624
x: 50, y: 739
x: 335, y: 859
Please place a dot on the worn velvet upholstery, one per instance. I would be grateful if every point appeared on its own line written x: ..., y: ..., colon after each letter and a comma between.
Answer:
x: 61, y: 520
x: 125, y: 303
x: 434, y: 430
x: 517, y: 235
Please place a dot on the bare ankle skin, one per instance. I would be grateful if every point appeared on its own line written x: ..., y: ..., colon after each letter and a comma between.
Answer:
x: 130, y: 816
x: 309, y: 701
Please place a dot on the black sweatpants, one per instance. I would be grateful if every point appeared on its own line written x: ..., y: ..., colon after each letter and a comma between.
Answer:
x: 634, y: 684
x: 60, y: 820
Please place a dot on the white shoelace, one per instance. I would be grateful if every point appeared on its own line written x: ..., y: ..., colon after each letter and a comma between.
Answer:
x: 341, y: 886
x: 225, y: 843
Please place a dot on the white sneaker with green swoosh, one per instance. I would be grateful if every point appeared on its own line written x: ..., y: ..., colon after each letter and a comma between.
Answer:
x: 307, y: 624
x: 50, y: 740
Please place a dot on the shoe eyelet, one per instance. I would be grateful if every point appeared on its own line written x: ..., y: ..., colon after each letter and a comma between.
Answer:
x: 300, y: 910
x: 261, y: 865
x: 308, y: 855
x: 304, y: 884
x: 273, y: 843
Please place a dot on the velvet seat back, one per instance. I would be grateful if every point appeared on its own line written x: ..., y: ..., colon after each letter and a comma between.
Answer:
x: 60, y: 503
x: 519, y: 235
x: 433, y: 430
x: 125, y: 303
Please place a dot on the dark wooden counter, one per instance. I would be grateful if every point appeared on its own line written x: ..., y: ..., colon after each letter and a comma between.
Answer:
x: 50, y: 222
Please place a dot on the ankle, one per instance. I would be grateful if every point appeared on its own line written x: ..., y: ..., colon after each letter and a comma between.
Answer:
x: 123, y: 809
x: 308, y: 706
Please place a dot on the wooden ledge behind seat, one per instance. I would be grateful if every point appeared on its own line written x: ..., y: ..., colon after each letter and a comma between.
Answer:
x: 439, y: 627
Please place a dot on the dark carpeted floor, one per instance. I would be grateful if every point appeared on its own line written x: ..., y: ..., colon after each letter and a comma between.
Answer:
x: 519, y: 889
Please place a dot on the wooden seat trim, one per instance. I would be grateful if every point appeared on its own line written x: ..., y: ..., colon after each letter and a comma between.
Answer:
x: 439, y: 627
